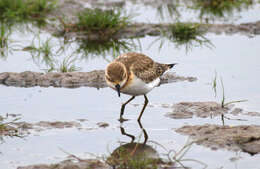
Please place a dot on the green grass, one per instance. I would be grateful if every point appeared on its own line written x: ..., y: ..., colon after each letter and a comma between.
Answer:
x: 42, y: 53
x: 223, y: 98
x: 46, y: 53
x: 22, y: 10
x: 219, y: 8
x: 7, y: 44
x: 130, y: 158
x: 98, y: 24
x: 166, y: 10
x: 186, y: 34
x: 8, y: 129
x: 4, y: 40
x: 99, y: 20
x: 106, y: 48
x: 67, y: 65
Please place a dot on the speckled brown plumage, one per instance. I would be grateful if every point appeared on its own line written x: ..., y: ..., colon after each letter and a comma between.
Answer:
x: 142, y: 66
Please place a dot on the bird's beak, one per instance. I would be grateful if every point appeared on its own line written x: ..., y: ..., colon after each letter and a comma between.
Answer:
x: 118, y: 89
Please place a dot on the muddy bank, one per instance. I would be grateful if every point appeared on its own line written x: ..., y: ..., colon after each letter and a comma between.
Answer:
x: 129, y: 155
x: 70, y: 164
x: 143, y: 29
x: 137, y: 30
x: 15, y: 128
x: 83, y: 164
x: 22, y: 129
x: 236, y: 138
x: 70, y: 80
x: 69, y: 9
x: 185, y: 110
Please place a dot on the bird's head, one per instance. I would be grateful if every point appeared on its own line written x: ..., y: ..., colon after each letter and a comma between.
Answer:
x: 116, y: 75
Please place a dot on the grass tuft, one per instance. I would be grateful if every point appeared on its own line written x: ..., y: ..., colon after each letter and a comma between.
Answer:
x: 98, y: 24
x: 4, y: 40
x: 132, y: 155
x: 8, y: 128
x: 185, y: 34
x: 106, y: 48
x: 98, y: 20
x: 67, y: 65
x: 219, y: 8
x: 22, y: 10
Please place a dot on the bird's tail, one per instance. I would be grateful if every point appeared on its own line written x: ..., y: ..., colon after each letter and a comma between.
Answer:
x: 171, y: 65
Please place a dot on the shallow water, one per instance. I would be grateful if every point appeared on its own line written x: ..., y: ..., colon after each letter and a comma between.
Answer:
x: 235, y: 59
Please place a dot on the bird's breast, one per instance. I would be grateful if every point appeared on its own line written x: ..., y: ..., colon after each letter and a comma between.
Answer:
x: 136, y: 86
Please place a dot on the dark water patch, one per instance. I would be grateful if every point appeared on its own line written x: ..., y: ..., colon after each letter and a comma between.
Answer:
x: 70, y: 80
x: 236, y: 138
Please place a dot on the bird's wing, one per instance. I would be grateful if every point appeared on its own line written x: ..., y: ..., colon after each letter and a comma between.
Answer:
x: 142, y: 66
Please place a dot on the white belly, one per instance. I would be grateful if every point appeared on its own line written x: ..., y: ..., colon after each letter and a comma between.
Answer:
x: 139, y: 87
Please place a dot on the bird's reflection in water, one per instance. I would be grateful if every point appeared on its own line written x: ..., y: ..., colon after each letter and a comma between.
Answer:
x: 132, y: 136
x: 134, y: 154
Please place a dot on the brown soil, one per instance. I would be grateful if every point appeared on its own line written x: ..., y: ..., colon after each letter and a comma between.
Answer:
x: 70, y: 164
x: 237, y: 138
x: 184, y: 110
x: 70, y: 80
x: 70, y: 8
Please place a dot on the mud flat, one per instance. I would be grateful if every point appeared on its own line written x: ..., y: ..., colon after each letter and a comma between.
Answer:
x: 71, y: 164
x: 244, y: 138
x: 70, y: 80
x: 184, y: 110
x: 125, y: 156
x: 17, y: 128
x: 81, y: 164
x: 136, y: 30
x: 70, y: 9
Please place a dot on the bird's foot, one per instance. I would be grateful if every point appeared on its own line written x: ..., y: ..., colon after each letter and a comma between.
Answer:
x: 121, y: 119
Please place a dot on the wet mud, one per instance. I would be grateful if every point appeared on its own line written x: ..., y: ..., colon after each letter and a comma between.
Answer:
x: 70, y: 8
x: 125, y: 156
x: 70, y: 80
x: 244, y: 138
x: 17, y: 128
x: 71, y: 164
x: 184, y: 110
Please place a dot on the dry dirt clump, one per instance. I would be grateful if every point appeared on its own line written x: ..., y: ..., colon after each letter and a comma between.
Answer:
x: 238, y: 138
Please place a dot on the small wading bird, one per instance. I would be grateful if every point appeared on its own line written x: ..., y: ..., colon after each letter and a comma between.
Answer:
x: 134, y: 74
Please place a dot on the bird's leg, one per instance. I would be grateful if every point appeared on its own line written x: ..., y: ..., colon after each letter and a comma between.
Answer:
x: 145, y: 104
x: 123, y: 109
x: 144, y: 131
